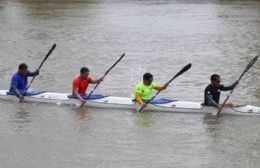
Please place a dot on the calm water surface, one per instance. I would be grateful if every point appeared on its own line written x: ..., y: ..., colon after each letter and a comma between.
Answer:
x: 157, y: 36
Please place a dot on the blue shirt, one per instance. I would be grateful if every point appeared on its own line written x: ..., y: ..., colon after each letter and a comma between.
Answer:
x: 19, y: 83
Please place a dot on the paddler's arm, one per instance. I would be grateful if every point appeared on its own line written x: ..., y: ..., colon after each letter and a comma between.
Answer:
x: 160, y: 88
x: 139, y: 99
x: 226, y: 88
x: 16, y: 91
x: 212, y: 102
x: 35, y: 73
x: 76, y: 93
x: 97, y: 80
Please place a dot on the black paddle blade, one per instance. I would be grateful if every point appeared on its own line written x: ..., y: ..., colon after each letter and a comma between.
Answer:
x: 53, y: 47
x: 184, y: 69
x: 48, y: 54
x: 50, y: 51
x: 121, y: 57
x: 250, y: 64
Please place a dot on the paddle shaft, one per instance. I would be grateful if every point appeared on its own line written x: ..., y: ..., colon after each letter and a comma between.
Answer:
x: 250, y: 64
x: 184, y: 69
x: 45, y: 58
x: 92, y: 91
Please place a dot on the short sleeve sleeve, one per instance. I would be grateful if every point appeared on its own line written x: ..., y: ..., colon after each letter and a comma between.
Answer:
x: 75, y: 84
x: 154, y: 85
x: 90, y: 79
x: 138, y: 89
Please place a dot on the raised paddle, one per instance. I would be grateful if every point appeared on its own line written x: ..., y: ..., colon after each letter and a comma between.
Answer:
x: 184, y: 69
x: 103, y: 77
x: 250, y: 64
x: 45, y: 58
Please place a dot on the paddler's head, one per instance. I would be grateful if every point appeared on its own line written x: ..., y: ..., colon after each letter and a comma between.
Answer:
x: 84, y: 72
x: 23, y: 69
x: 215, y: 80
x: 147, y: 79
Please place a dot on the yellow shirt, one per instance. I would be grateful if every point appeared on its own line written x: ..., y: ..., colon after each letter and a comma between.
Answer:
x: 144, y: 90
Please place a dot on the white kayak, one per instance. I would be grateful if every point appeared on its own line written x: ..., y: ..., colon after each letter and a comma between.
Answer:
x: 101, y: 101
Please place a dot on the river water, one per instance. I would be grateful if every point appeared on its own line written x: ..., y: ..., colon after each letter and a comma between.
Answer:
x: 158, y: 36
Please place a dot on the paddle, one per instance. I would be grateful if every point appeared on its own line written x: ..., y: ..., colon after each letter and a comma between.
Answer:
x: 45, y: 58
x: 250, y: 64
x: 103, y: 77
x: 184, y: 69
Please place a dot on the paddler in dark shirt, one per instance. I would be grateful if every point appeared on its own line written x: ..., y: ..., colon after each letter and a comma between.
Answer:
x: 212, y: 92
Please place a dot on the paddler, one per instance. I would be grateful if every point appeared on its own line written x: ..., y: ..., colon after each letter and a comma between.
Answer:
x: 212, y: 92
x: 19, y: 81
x: 81, y: 82
x: 143, y: 90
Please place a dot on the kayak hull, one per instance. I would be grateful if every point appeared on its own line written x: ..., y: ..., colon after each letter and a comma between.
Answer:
x: 128, y: 103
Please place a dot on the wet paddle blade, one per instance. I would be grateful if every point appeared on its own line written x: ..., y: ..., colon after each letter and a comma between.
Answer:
x: 250, y: 64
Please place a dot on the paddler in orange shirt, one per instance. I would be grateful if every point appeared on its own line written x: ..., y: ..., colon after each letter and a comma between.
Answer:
x: 81, y: 82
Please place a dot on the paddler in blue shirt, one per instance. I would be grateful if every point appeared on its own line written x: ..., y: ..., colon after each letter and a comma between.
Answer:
x: 20, y: 81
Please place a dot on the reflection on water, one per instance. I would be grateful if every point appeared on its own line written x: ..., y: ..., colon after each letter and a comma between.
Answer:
x: 21, y: 119
x: 82, y: 114
x: 144, y: 119
x: 82, y: 117
x: 234, y: 137
x: 212, y: 124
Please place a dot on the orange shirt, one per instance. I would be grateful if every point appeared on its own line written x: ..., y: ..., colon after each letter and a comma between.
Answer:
x: 81, y: 84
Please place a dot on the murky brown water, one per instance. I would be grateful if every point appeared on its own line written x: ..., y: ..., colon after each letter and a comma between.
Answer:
x: 157, y: 36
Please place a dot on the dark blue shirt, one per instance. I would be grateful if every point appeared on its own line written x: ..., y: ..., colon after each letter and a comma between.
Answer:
x: 19, y: 83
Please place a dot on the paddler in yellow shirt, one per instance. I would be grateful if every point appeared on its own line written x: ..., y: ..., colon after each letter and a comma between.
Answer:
x: 143, y: 90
